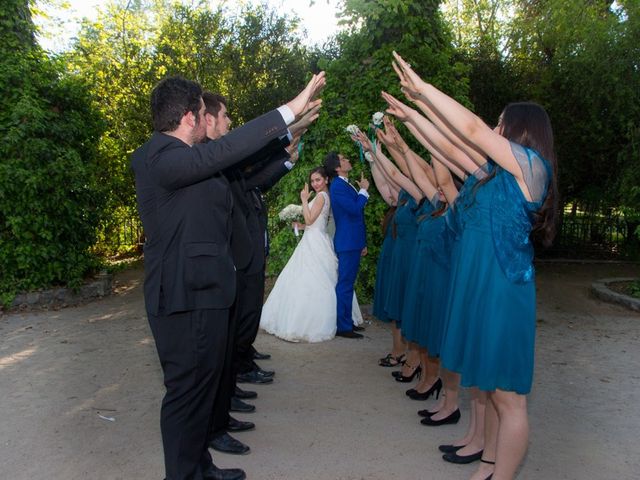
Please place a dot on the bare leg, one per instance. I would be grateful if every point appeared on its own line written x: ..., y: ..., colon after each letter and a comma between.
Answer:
x: 490, y: 440
x: 413, y: 359
x: 449, y: 404
x: 430, y: 368
x: 474, y: 439
x: 512, y: 432
x: 399, y: 345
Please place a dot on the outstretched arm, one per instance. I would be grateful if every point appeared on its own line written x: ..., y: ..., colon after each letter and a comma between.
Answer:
x: 387, y: 190
x: 391, y: 170
x: 464, y: 123
x: 428, y: 131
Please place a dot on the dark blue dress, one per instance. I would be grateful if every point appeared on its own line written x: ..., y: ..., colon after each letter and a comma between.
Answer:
x: 405, y: 229
x: 489, y: 333
x: 433, y: 255
x: 417, y: 274
x: 382, y: 275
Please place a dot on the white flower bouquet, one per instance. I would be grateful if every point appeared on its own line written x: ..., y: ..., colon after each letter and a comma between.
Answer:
x: 352, y: 129
x: 291, y: 213
x: 376, y: 118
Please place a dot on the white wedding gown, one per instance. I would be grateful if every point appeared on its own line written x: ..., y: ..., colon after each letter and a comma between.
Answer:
x: 302, y: 304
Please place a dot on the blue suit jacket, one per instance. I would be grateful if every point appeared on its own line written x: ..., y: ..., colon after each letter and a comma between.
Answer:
x: 347, y: 206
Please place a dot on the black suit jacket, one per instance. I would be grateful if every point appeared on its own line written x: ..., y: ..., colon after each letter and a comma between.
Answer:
x: 248, y: 237
x: 185, y: 206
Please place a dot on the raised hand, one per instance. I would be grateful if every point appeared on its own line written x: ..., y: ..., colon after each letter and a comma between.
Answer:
x: 409, y: 80
x: 363, y: 140
x: 305, y: 194
x: 396, y: 108
x: 397, y: 139
x: 363, y: 183
x: 384, y: 136
x: 305, y: 99
x: 298, y: 128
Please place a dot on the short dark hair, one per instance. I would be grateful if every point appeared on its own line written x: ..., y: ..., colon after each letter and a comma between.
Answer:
x: 171, y: 99
x: 331, y: 162
x: 213, y: 102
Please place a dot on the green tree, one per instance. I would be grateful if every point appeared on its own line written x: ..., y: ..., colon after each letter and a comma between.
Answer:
x: 50, y: 199
x: 358, y: 66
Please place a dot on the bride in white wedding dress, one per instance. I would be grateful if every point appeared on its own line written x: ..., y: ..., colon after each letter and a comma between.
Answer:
x: 302, y: 303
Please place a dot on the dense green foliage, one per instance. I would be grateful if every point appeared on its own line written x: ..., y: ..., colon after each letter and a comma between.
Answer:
x: 358, y: 67
x: 69, y: 122
x: 253, y: 59
x: 50, y: 199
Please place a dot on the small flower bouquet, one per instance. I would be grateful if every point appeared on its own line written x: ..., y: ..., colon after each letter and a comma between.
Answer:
x: 291, y: 213
x: 377, y: 118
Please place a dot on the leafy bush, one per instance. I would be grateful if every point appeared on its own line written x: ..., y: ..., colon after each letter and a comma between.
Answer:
x: 358, y: 66
x: 50, y: 201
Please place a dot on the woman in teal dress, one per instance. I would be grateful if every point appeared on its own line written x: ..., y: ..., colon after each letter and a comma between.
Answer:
x: 448, y: 158
x: 404, y: 226
x: 490, y: 331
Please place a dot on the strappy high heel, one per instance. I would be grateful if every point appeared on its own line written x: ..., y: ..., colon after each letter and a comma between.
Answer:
x: 416, y: 373
x: 490, y: 463
x: 435, y: 389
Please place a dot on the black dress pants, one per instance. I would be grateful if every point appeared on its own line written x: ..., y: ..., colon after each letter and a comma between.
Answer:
x: 222, y: 401
x: 248, y: 319
x: 191, y: 347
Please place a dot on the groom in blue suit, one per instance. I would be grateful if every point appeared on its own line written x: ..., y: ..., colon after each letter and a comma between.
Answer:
x: 347, y: 205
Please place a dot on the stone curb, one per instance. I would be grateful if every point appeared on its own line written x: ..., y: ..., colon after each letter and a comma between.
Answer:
x: 98, y: 287
x: 603, y: 292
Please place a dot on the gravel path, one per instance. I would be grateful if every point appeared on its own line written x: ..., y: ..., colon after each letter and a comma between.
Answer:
x: 332, y: 413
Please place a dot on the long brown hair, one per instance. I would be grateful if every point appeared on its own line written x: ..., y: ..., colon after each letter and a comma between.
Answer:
x: 527, y: 124
x: 387, y: 219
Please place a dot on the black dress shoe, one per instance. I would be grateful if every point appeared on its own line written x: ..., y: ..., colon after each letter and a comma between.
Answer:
x: 348, y: 334
x: 239, y: 426
x: 453, y: 457
x: 357, y: 328
x: 225, y: 443
x: 260, y: 371
x: 244, y: 394
x: 427, y: 413
x: 449, y: 448
x: 238, y: 405
x: 253, y: 377
x: 215, y: 473
x: 261, y: 356
x: 453, y: 418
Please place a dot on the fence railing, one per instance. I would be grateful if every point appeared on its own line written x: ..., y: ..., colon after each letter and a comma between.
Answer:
x: 592, y: 236
x: 580, y: 236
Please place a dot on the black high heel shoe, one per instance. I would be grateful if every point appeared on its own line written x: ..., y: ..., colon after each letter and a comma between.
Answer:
x: 435, y: 389
x: 416, y: 373
x: 453, y: 418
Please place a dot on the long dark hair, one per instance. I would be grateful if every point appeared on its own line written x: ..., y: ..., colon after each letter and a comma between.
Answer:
x: 386, y: 220
x: 527, y: 124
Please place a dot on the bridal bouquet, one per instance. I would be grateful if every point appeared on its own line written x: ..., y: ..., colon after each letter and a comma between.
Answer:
x: 291, y: 213
x: 353, y: 130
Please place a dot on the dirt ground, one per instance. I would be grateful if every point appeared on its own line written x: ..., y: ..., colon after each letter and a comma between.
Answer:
x: 331, y: 413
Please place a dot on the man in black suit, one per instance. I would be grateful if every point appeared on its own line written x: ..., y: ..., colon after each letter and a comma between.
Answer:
x: 185, y: 204
x: 248, y: 250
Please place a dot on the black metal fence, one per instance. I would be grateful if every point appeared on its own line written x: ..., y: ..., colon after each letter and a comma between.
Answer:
x: 594, y: 236
x: 580, y: 236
